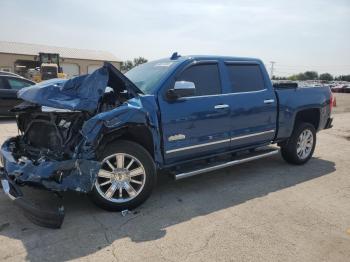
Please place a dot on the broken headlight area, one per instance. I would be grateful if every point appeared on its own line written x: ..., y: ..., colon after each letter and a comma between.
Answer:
x: 54, y: 135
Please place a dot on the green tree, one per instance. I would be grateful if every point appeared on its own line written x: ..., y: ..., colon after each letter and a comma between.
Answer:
x: 308, y: 75
x: 343, y: 78
x: 128, y: 64
x: 293, y: 77
x: 301, y: 76
x: 311, y: 75
x: 326, y: 77
x: 279, y: 78
x: 140, y: 60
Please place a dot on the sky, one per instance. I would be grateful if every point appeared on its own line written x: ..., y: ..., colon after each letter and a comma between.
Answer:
x: 297, y: 35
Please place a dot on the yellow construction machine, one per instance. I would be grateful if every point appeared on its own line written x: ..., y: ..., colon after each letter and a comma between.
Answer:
x: 49, y: 68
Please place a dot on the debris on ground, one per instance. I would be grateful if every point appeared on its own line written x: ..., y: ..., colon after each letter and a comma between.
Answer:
x: 125, y: 212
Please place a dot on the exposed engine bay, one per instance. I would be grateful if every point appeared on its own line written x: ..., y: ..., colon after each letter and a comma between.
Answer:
x: 49, y: 134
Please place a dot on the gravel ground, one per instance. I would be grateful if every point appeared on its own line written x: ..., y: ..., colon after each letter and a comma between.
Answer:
x: 265, y: 210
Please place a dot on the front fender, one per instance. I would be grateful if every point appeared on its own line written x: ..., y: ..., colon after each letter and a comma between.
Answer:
x: 141, y: 110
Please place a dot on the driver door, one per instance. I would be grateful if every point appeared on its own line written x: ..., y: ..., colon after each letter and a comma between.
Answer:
x: 199, y: 124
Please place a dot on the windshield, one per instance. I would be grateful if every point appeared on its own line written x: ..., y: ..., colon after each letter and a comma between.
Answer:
x: 148, y: 75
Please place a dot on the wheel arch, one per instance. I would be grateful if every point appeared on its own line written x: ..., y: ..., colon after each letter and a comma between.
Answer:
x: 137, y: 133
x: 309, y: 115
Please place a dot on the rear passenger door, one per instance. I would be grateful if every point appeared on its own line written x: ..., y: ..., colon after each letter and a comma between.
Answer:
x: 252, y: 102
x: 196, y: 125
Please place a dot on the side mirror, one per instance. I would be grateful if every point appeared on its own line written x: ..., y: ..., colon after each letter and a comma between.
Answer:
x: 181, y: 89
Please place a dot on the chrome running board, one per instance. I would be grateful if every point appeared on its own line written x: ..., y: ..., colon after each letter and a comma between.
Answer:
x: 251, y: 157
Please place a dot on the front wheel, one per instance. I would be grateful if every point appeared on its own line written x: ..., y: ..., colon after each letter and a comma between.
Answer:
x: 301, y: 145
x: 126, y: 178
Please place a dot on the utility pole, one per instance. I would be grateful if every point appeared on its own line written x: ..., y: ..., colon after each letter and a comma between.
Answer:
x: 272, y: 68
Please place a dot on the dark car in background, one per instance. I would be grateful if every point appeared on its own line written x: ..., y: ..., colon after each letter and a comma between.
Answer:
x: 341, y: 88
x: 9, y: 85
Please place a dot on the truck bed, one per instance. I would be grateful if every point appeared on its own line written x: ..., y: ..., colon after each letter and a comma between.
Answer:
x: 292, y: 100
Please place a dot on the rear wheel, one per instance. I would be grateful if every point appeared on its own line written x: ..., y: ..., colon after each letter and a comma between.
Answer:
x: 301, y: 145
x: 126, y: 178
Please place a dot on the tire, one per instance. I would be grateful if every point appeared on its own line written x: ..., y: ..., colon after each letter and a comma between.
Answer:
x: 142, y: 170
x: 291, y: 149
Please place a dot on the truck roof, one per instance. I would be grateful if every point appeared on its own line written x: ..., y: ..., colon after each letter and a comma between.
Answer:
x: 211, y: 57
x: 221, y: 57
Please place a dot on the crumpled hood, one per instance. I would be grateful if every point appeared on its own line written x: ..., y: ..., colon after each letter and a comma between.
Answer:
x: 81, y: 93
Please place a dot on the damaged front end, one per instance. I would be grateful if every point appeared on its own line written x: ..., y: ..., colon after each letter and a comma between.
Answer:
x: 46, y: 153
x: 50, y: 151
x: 45, y: 156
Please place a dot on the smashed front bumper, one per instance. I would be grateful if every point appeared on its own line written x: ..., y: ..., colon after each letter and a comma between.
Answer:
x: 39, y: 216
x: 69, y: 175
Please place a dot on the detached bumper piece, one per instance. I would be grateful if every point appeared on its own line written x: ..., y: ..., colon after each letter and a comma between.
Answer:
x: 35, y: 213
x: 329, y: 123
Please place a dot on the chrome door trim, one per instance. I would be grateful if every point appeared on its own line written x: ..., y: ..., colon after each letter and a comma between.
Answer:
x: 254, y: 134
x: 196, y: 146
x: 219, y: 141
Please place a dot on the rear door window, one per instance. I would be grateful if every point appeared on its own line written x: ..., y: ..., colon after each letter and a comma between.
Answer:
x: 206, y: 78
x: 245, y: 77
x: 17, y: 83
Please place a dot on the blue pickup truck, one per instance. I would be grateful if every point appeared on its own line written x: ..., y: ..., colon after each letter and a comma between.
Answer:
x: 109, y: 134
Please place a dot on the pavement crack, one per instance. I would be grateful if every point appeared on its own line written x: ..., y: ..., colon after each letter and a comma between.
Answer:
x: 206, y: 244
x: 104, y: 228
x: 162, y: 256
x: 127, y: 221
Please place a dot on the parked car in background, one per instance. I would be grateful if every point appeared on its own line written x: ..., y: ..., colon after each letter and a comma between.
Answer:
x: 335, y: 88
x: 10, y: 83
x: 6, y: 73
x: 346, y: 89
x: 341, y: 88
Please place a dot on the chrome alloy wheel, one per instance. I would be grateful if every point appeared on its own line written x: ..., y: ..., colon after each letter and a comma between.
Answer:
x: 305, y: 144
x: 121, y: 178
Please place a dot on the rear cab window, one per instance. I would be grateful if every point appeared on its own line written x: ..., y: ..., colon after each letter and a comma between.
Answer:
x: 206, y: 78
x: 245, y: 77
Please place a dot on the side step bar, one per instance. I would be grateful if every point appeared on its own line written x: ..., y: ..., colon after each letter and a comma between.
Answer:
x: 257, y: 155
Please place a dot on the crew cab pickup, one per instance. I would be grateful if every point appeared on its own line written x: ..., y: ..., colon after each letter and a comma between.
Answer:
x: 109, y: 134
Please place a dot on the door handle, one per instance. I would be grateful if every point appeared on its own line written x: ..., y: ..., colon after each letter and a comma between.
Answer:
x: 269, y: 101
x: 221, y: 106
